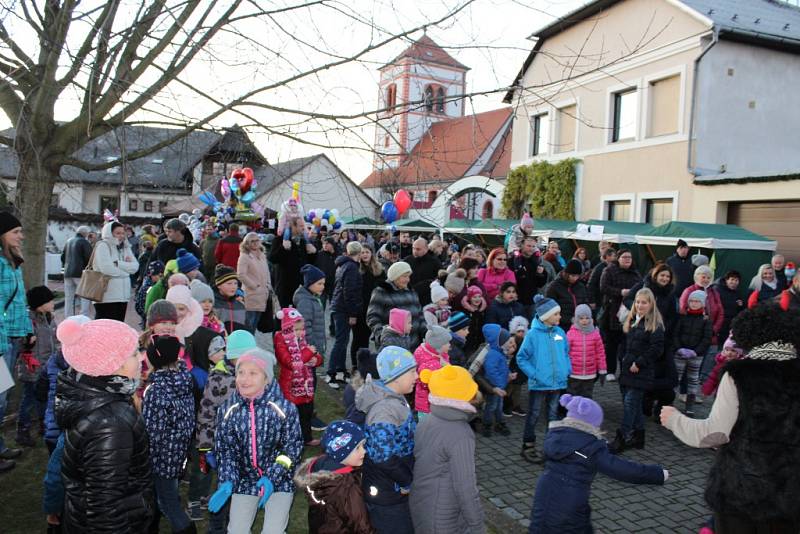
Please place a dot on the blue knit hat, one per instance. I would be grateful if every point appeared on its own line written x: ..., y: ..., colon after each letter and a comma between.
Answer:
x: 545, y: 307
x: 341, y: 438
x: 311, y: 275
x: 239, y: 342
x: 187, y: 262
x: 393, y: 362
x: 458, y: 321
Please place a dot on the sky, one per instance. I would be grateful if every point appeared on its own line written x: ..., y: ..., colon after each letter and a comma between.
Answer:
x: 489, y: 36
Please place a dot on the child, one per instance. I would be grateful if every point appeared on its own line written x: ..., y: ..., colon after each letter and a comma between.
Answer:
x: 388, y: 467
x: 459, y: 330
x: 544, y: 358
x: 505, y: 306
x: 204, y: 295
x: 575, y: 450
x: 297, y: 360
x: 475, y: 305
x: 518, y: 327
x: 690, y: 343
x: 168, y: 413
x: 643, y: 347
x: 307, y: 300
x: 444, y: 494
x: 495, y: 369
x: 190, y: 314
x: 227, y: 305
x: 153, y: 273
x: 54, y: 366
x: 438, y: 311
x: 730, y: 351
x: 33, y: 359
x: 257, y: 443
x: 366, y: 366
x: 586, y: 353
x: 398, y: 332
x: 431, y: 354
x: 332, y: 482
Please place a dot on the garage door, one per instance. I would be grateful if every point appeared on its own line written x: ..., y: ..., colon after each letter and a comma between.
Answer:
x: 779, y: 220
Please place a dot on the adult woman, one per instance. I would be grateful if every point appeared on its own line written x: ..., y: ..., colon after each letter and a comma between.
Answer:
x: 731, y: 298
x: 661, y: 281
x: 496, y: 272
x: 16, y: 323
x: 113, y: 257
x: 394, y: 292
x: 615, y: 284
x: 288, y: 262
x: 753, y: 485
x: 254, y: 275
x: 765, y: 286
x: 371, y: 273
x: 582, y: 255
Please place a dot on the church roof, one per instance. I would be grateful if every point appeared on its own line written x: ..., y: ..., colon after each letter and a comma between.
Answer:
x: 478, y: 144
x: 425, y: 49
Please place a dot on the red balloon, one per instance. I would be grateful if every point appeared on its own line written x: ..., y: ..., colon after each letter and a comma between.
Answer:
x: 245, y: 178
x: 402, y: 201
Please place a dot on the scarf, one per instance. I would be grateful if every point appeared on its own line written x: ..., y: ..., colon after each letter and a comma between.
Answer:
x: 588, y: 329
x: 116, y: 384
x: 301, y: 383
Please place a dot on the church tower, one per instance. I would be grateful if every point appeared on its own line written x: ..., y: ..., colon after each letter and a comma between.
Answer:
x: 418, y: 88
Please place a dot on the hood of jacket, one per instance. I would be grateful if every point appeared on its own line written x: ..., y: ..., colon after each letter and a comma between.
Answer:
x: 321, y: 474
x: 231, y: 239
x: 106, y: 235
x: 539, y: 325
x: 78, y: 395
x: 341, y: 260
x: 372, y: 392
x: 389, y: 287
x: 569, y: 435
x: 491, y: 332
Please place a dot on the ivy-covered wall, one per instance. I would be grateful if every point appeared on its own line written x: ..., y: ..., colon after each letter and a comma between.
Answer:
x: 548, y: 189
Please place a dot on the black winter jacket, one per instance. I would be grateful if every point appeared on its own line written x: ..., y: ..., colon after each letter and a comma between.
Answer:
x: 613, y: 280
x: 501, y: 313
x: 666, y: 302
x: 326, y: 262
x: 593, y: 287
x: 643, y: 348
x: 732, y: 304
x: 387, y: 296
x: 287, y: 267
x: 106, y: 462
x: 167, y: 250
x: 347, y: 288
x: 424, y: 270
x: 684, y: 271
x: 568, y: 297
x: 692, y: 332
x: 529, y: 281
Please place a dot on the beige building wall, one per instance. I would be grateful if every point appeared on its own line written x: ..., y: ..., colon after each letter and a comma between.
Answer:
x: 710, y: 202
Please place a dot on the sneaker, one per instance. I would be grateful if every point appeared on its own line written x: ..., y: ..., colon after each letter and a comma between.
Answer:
x: 331, y: 381
x: 698, y: 399
x: 611, y: 378
x: 318, y: 424
x: 519, y: 412
x: 530, y: 455
x: 502, y: 429
x: 508, y: 414
x: 194, y: 510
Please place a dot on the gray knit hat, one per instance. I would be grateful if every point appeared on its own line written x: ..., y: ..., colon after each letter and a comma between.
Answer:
x: 161, y: 311
x: 201, y: 291
x: 437, y: 337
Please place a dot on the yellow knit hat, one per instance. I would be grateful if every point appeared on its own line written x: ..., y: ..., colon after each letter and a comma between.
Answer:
x: 450, y: 382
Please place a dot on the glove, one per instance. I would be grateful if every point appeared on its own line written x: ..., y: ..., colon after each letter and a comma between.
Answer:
x: 211, y: 460
x: 265, y: 490
x: 220, y: 497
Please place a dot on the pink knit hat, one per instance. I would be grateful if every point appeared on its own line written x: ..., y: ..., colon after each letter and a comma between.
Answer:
x: 397, y: 319
x: 473, y: 291
x: 96, y: 348
x: 288, y: 317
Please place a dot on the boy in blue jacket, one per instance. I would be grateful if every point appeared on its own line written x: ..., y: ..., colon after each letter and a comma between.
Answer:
x: 575, y: 450
x: 544, y: 358
x: 495, y: 369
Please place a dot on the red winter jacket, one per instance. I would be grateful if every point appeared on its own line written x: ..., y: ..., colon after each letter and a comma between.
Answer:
x: 227, y: 251
x: 586, y: 353
x: 296, y: 378
x: 713, y: 307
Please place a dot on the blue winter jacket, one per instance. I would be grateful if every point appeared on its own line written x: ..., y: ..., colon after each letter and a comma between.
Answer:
x: 277, y: 431
x: 168, y: 412
x: 347, y: 288
x: 501, y: 313
x: 495, y: 366
x: 574, y: 452
x: 55, y: 365
x: 53, y: 498
x: 544, y: 357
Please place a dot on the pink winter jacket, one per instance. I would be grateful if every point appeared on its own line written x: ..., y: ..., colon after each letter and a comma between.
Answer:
x: 586, y: 353
x: 427, y: 358
x: 492, y: 279
x: 713, y: 307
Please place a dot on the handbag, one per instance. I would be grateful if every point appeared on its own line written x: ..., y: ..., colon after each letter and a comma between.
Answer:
x: 93, y: 283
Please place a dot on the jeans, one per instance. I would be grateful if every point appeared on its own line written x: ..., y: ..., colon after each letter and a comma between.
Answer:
x: 535, y: 401
x: 10, y: 359
x: 632, y: 416
x: 392, y: 518
x: 493, y: 409
x: 70, y: 298
x: 27, y: 403
x: 169, y: 502
x: 708, y: 363
x: 251, y: 320
x: 245, y: 507
x: 338, y: 358
x: 305, y: 412
x: 580, y: 387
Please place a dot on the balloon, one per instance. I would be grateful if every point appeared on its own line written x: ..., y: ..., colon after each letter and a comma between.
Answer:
x: 402, y: 200
x: 326, y: 215
x: 207, y: 198
x: 225, y: 188
x: 332, y: 219
x: 315, y: 221
x: 234, y: 183
x: 296, y: 190
x: 244, y: 177
x: 311, y: 215
x: 248, y: 198
x: 335, y: 212
x: 389, y: 211
x: 324, y: 222
x: 257, y: 208
x: 337, y: 225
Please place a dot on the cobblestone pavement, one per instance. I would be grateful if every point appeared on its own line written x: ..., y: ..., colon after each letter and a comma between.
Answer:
x: 509, y: 482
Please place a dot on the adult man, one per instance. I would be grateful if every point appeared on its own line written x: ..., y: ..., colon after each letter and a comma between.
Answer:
x: 75, y: 258
x: 602, y: 246
x: 527, y: 266
x: 208, y: 245
x: 405, y: 244
x: 778, y: 265
x: 682, y: 266
x: 227, y: 250
x: 593, y: 288
x: 326, y: 262
x: 346, y: 307
x: 568, y: 292
x: 424, y: 269
x: 390, y: 253
x: 177, y: 236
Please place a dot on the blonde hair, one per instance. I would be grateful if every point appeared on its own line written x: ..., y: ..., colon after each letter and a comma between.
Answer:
x: 251, y: 236
x: 652, y: 321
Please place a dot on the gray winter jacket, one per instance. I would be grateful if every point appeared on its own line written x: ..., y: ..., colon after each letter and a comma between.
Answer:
x: 444, y: 496
x: 391, y: 338
x: 310, y: 307
x: 75, y: 256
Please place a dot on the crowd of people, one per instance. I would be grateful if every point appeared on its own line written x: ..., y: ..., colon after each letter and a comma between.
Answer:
x: 442, y: 337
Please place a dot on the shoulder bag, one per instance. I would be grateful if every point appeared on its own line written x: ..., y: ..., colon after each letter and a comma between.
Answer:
x: 93, y: 283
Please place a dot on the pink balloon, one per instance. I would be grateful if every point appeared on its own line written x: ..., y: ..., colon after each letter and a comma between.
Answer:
x: 402, y: 201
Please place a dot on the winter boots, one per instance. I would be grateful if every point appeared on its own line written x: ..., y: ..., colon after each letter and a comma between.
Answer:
x: 689, y: 406
x: 621, y: 443
x: 23, y: 437
x: 530, y: 455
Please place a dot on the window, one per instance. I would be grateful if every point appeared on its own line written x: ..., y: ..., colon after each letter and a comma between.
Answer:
x: 567, y: 122
x: 488, y: 210
x: 133, y: 205
x: 148, y: 205
x: 220, y: 168
x: 625, y: 104
x: 109, y: 203
x: 162, y: 204
x: 428, y: 98
x: 619, y: 210
x: 431, y: 196
x: 386, y: 141
x: 440, y: 100
x: 391, y: 96
x: 664, y: 100
x: 539, y: 133
x: 658, y: 211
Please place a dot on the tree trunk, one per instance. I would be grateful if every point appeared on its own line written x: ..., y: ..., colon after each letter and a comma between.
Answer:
x: 34, y: 190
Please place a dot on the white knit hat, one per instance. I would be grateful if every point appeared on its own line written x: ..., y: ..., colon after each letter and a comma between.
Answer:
x: 438, y: 292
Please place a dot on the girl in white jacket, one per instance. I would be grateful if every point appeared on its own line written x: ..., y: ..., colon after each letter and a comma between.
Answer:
x: 113, y: 257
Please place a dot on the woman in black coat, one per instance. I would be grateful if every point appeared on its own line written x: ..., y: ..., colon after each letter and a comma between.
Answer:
x: 371, y: 273
x: 732, y: 300
x: 394, y: 292
x: 289, y: 262
x: 661, y: 281
x: 615, y: 285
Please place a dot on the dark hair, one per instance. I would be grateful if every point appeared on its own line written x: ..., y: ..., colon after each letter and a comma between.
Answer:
x: 505, y: 286
x: 661, y: 267
x: 115, y: 225
x: 625, y: 251
x: 764, y: 323
x: 732, y: 274
x: 176, y: 225
x: 469, y: 263
x: 608, y: 252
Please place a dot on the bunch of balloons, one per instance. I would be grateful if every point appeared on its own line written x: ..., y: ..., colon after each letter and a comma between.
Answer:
x: 320, y: 217
x: 397, y: 207
x: 239, y: 197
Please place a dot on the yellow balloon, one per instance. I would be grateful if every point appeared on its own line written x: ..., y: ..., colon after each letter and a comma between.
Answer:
x: 296, y: 190
x: 316, y: 221
x: 331, y: 219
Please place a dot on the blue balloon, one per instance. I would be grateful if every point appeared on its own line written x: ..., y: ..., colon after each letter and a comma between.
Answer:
x: 389, y: 212
x: 326, y: 215
x: 337, y: 225
x: 248, y: 198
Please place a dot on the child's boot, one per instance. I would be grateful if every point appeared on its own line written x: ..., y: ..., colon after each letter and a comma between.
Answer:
x: 689, y: 406
x: 24, y: 437
x: 502, y: 429
x: 637, y: 441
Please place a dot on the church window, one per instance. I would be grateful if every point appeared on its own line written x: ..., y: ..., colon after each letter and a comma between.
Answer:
x: 391, y: 96
x: 440, y: 100
x: 429, y: 98
x: 488, y: 210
